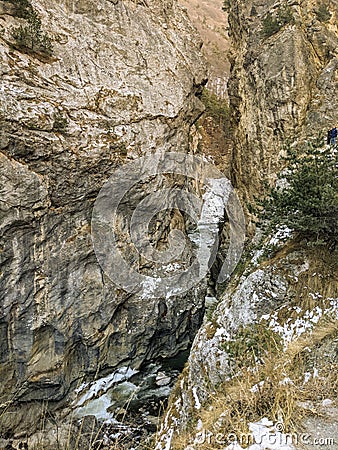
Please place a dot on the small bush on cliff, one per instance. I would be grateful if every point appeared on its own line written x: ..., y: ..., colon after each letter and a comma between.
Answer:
x: 60, y: 121
x: 215, y: 107
x: 273, y: 23
x: 226, y: 5
x: 270, y: 25
x: 31, y: 37
x: 323, y: 14
x: 308, y: 201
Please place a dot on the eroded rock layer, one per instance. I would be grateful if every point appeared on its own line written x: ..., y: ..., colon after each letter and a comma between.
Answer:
x: 121, y: 83
x: 283, y: 80
x: 282, y: 88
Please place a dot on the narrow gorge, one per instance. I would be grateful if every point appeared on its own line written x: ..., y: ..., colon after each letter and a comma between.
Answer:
x: 97, y: 96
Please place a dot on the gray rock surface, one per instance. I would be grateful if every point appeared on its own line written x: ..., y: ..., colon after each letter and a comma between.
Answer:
x: 267, y: 292
x: 322, y: 431
x: 121, y: 83
x: 281, y: 86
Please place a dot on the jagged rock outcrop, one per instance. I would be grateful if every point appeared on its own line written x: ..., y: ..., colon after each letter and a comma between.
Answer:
x: 121, y: 82
x: 212, y: 24
x: 285, y: 299
x: 282, y: 83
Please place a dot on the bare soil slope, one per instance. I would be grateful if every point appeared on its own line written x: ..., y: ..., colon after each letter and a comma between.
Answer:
x: 211, y: 22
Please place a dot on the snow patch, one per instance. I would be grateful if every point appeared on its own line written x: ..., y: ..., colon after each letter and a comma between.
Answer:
x: 221, y: 332
x: 95, y: 401
x: 257, y: 387
x: 293, y: 328
x: 98, y: 408
x: 265, y: 436
x: 197, y: 401
x: 281, y: 234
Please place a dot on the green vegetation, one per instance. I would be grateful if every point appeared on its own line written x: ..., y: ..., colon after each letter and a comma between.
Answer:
x: 31, y: 38
x: 226, y: 5
x: 323, y: 14
x: 251, y: 344
x: 60, y: 121
x: 272, y: 23
x: 308, y: 201
x: 215, y: 107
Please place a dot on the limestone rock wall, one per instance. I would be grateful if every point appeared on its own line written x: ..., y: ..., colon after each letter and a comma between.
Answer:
x: 121, y: 83
x: 281, y: 86
x: 288, y: 291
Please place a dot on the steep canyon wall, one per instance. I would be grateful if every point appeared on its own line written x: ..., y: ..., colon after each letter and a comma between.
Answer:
x: 283, y: 82
x: 121, y: 83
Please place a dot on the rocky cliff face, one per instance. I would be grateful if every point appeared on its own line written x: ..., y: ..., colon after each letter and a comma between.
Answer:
x: 281, y: 307
x: 283, y: 81
x: 212, y: 24
x: 121, y: 83
x: 272, y: 332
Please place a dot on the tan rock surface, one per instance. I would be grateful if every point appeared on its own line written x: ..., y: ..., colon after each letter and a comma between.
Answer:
x: 281, y: 86
x: 121, y: 83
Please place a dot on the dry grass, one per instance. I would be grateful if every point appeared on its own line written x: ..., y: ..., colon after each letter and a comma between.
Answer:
x: 280, y: 392
x: 236, y: 404
x: 70, y: 433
